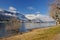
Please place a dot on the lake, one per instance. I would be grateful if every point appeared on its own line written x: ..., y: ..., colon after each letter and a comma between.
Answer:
x: 31, y: 25
x: 24, y: 27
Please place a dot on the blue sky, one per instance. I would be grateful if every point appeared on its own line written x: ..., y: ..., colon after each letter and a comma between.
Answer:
x: 26, y: 6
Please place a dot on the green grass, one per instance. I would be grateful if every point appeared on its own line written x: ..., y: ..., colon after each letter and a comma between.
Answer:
x: 38, y: 34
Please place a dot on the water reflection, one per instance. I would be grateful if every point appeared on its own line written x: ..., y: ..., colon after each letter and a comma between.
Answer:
x: 24, y: 27
x: 31, y: 25
x: 2, y: 29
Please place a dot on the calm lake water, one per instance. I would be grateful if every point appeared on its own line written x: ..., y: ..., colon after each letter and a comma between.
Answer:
x: 2, y: 29
x: 24, y: 27
x: 29, y: 26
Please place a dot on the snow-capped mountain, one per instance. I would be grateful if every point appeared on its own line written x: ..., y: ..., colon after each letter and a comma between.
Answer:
x: 12, y: 12
x: 21, y: 16
x: 39, y: 18
x: 6, y: 14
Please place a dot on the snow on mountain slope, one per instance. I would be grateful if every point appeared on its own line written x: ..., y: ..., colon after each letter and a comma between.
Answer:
x: 8, y: 14
x: 33, y: 17
x: 39, y: 17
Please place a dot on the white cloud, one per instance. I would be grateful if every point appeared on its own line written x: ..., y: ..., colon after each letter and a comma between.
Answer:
x: 30, y: 16
x: 9, y: 14
x: 37, y: 12
x: 30, y: 8
x: 12, y: 9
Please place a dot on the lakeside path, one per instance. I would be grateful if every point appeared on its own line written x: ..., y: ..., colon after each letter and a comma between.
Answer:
x: 56, y: 37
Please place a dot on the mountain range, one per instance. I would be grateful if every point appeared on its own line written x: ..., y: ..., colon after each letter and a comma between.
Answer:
x: 7, y: 14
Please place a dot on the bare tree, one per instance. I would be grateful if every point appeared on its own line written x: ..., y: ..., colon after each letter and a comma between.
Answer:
x: 55, y: 10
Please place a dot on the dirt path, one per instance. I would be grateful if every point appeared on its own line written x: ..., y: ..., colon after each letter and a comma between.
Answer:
x: 57, y: 37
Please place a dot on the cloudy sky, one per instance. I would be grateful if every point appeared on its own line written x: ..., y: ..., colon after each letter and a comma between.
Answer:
x: 26, y: 6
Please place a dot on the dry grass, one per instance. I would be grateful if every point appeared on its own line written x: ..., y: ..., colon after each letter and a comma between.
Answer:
x: 38, y: 34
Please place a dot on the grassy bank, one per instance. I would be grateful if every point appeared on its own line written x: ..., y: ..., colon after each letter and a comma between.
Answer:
x: 38, y: 34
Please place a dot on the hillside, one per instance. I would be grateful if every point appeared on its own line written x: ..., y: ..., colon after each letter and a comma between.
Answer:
x: 38, y: 34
